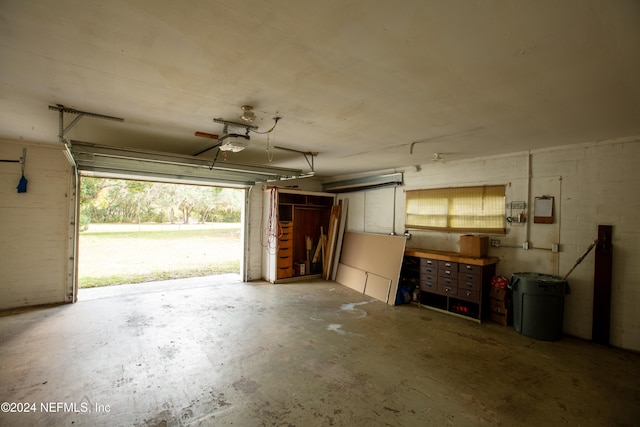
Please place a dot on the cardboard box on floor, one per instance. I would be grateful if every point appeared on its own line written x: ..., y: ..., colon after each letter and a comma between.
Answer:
x: 503, y: 316
x: 499, y: 294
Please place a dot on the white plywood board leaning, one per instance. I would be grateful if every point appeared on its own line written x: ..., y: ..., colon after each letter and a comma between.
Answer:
x: 351, y: 277
x: 378, y: 287
x: 378, y: 254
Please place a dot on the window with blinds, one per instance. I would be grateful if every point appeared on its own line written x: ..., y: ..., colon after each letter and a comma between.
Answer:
x: 461, y: 209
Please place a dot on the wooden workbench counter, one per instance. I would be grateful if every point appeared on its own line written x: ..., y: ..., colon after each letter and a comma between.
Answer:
x: 450, y: 256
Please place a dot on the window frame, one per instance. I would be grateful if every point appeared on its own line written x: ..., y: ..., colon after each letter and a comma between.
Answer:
x: 446, y: 201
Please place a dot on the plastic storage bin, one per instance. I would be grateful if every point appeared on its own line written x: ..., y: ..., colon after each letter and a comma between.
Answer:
x: 538, y: 304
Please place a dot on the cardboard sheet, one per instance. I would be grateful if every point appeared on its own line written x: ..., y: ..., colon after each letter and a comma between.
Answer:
x: 378, y: 287
x: 379, y: 256
x: 351, y: 277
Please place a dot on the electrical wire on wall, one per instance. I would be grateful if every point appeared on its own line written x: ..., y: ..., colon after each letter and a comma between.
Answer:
x: 275, y: 119
x: 273, y: 231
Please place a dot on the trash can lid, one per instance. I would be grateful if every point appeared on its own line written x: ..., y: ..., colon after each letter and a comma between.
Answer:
x: 540, y: 277
x: 541, y: 280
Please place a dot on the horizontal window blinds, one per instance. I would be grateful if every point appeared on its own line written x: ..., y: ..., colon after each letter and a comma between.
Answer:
x: 463, y: 209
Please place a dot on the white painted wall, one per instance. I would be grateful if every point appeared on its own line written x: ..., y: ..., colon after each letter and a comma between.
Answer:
x: 34, y: 227
x: 593, y: 184
x: 369, y: 211
x: 255, y: 238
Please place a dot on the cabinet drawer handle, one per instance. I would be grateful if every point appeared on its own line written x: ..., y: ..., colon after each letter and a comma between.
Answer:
x: 447, y: 272
x: 447, y: 289
x: 468, y: 267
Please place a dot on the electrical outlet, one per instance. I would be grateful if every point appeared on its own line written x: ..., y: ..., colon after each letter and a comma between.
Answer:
x: 495, y: 243
x: 555, y: 247
x: 525, y: 245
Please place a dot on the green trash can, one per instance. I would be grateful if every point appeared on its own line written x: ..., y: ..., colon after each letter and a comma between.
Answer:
x: 538, y: 304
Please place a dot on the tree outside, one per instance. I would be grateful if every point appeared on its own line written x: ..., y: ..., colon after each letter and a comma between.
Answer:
x: 121, y: 201
x: 180, y: 231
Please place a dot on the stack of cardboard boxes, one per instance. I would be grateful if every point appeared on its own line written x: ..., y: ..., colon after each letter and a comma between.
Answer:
x: 500, y: 308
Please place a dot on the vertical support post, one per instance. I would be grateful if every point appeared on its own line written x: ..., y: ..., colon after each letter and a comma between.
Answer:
x: 245, y: 235
x: 602, y: 286
x: 74, y: 234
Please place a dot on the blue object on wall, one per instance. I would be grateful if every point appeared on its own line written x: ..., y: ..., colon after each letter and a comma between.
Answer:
x: 22, y: 185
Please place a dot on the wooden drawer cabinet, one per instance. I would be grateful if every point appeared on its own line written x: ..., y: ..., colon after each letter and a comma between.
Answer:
x: 428, y: 286
x: 447, y: 290
x: 286, y: 228
x: 453, y: 283
x: 428, y: 266
x: 448, y: 272
x: 428, y: 262
x: 469, y: 268
x: 447, y: 265
x: 448, y: 281
x: 284, y: 260
x: 470, y: 281
x: 428, y: 277
x: 469, y: 295
x: 428, y: 270
x: 284, y: 272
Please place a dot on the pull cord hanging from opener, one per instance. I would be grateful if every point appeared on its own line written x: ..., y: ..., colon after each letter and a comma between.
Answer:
x: 268, y: 132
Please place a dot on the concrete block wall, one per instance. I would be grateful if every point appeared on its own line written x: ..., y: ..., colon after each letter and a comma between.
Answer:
x: 592, y: 184
x: 34, y: 227
x: 254, y: 230
x: 370, y: 211
x: 599, y: 187
x: 511, y: 171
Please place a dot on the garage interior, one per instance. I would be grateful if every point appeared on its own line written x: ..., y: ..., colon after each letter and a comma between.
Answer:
x: 364, y: 105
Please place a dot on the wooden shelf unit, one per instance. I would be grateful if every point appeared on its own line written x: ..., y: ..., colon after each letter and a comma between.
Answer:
x: 450, y: 282
x: 299, y: 214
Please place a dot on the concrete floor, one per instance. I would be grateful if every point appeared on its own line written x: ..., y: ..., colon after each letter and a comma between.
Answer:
x: 212, y: 352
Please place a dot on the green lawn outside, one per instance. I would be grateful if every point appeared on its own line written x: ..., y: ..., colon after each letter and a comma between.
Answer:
x: 118, y: 257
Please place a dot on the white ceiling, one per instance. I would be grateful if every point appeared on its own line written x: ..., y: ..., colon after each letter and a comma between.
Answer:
x: 368, y: 85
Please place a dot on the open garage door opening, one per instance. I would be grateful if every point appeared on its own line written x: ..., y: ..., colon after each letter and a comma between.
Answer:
x: 141, y: 231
